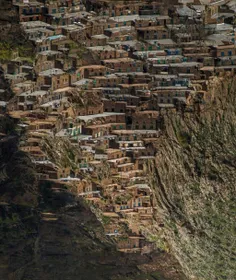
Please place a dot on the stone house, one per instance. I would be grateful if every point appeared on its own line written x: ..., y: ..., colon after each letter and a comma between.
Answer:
x: 223, y: 50
x: 178, y: 68
x: 97, y: 40
x: 96, y: 131
x: 145, y: 120
x: 41, y: 125
x: 44, y: 65
x: 53, y: 172
x: 53, y: 78
x: 28, y: 100
x: 166, y: 59
x: 125, y: 9
x: 46, y: 60
x: 114, y: 154
x: 106, y: 81
x: 157, y: 20
x: 114, y: 106
x: 38, y: 33
x: 131, y: 145
x: 170, y: 80
x: 133, y: 88
x: 42, y: 45
x: 185, y: 68
x: 92, y: 71
x: 75, y: 32
x: 60, y: 18
x: 124, y: 65
x: 168, y: 95
x: 153, y: 33
x: 31, y: 11
x: 134, y: 135
x: 124, y: 33
x: 103, y: 52
x: 125, y: 167
x: 90, y: 110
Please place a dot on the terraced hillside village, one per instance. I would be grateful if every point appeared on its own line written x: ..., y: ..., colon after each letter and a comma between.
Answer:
x: 117, y: 139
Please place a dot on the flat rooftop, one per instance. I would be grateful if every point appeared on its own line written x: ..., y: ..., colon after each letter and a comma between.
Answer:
x: 52, y: 72
x: 134, y: 132
x: 92, y: 117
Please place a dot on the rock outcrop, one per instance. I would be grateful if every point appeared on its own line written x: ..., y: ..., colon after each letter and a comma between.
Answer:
x: 194, y: 181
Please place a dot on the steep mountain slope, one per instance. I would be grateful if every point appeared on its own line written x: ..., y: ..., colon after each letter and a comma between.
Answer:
x: 46, y: 232
x: 194, y: 181
x: 60, y: 238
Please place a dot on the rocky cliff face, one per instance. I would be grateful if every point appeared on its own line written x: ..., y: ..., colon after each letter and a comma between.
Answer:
x: 194, y: 181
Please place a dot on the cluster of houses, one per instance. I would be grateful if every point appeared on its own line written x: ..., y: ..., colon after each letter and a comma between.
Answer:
x: 103, y: 75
